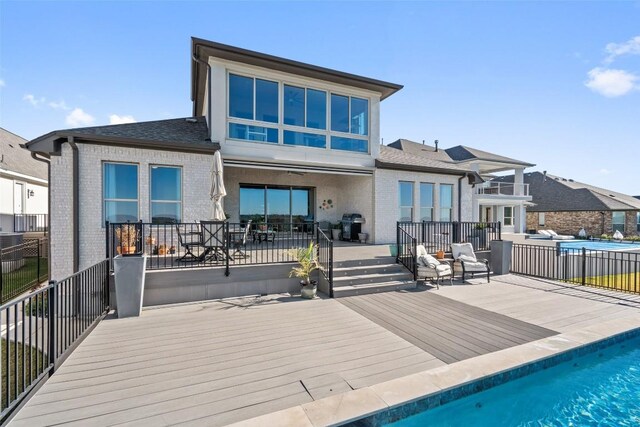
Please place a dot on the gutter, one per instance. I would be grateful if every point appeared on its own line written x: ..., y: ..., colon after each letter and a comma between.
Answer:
x: 205, y: 63
x: 460, y: 196
x: 34, y: 155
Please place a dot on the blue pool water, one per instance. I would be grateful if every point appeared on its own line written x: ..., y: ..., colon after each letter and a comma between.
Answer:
x: 601, y: 389
x: 599, y: 246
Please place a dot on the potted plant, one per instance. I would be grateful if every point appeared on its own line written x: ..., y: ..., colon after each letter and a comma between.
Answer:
x: 172, y: 249
x: 336, y: 230
x: 127, y: 235
x: 307, y: 264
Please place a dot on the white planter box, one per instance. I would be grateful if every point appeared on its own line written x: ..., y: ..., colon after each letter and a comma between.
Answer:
x: 129, y: 274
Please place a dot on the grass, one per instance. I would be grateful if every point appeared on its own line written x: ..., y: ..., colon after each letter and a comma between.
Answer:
x: 21, y: 280
x: 628, y: 282
x: 33, y: 359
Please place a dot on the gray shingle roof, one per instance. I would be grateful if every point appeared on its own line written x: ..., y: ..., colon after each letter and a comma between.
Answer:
x: 17, y: 159
x: 555, y: 194
x: 421, y: 149
x: 462, y: 153
x: 392, y: 156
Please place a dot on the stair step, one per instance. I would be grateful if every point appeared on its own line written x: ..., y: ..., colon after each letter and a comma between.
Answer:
x: 364, y: 262
x: 360, y: 270
x: 371, y: 288
x: 358, y: 279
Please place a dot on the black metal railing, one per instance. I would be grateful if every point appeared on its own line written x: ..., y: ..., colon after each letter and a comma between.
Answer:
x: 613, y: 270
x: 325, y: 258
x: 439, y: 235
x: 407, y: 244
x: 207, y: 244
x: 23, y: 223
x: 22, y: 267
x: 41, y: 329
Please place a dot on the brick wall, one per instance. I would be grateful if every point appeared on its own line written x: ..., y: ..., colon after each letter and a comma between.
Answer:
x: 196, y: 202
x: 572, y: 222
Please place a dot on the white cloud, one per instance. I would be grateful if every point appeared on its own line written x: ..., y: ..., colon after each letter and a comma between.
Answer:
x: 2, y: 83
x: 61, y: 105
x: 79, y: 118
x: 630, y: 47
x: 605, y: 171
x: 115, y: 119
x: 611, y: 83
x: 31, y: 99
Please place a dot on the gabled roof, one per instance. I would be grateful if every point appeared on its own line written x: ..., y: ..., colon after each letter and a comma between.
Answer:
x: 203, y: 49
x: 462, y: 153
x: 552, y: 193
x: 393, y: 158
x: 183, y: 134
x: 14, y: 158
x: 412, y: 147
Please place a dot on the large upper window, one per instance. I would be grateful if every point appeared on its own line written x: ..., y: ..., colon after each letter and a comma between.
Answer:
x: 120, y: 192
x: 323, y: 120
x: 426, y: 201
x: 166, y: 194
x: 617, y: 221
x: 406, y: 201
x: 446, y: 202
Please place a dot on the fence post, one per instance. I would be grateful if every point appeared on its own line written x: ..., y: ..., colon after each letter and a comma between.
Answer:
x: 226, y: 258
x: 413, y: 254
x: 499, y: 230
x: 51, y: 323
x: 331, y: 268
x: 455, y: 228
x: 38, y: 260
x: 584, y: 266
x: 397, y: 242
x: 1, y: 281
x: 106, y: 236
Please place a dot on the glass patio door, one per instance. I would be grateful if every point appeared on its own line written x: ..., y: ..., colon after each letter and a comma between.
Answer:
x: 276, y: 205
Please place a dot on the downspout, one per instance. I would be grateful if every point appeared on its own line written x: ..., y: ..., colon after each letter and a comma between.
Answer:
x: 206, y: 64
x: 460, y: 196
x: 34, y: 155
x: 75, y: 205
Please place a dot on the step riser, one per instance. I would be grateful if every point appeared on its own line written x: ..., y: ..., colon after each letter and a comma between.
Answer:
x: 370, y: 270
x: 338, y: 293
x: 363, y: 262
x: 369, y: 279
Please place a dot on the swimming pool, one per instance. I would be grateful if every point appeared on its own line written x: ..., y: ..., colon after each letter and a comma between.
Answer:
x: 602, y: 388
x: 596, y: 245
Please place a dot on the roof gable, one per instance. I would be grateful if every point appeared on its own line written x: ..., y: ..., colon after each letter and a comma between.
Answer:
x: 14, y: 158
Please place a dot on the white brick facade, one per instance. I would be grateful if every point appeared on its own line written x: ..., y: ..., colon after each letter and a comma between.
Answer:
x: 387, y: 210
x: 195, y: 198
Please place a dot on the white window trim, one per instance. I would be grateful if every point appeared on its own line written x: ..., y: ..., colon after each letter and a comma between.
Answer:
x: 151, y: 201
x: 104, y: 199
x: 282, y: 81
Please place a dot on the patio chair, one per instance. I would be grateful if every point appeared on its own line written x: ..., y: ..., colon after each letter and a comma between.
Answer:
x: 556, y: 236
x: 264, y: 233
x: 465, y: 261
x: 213, y: 241
x: 430, y: 268
x: 190, y: 239
x: 239, y: 240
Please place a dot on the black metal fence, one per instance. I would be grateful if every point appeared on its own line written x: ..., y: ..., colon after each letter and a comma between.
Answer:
x: 206, y: 244
x: 438, y: 236
x: 406, y: 245
x: 613, y: 270
x: 40, y: 330
x: 22, y: 267
x: 325, y: 257
x: 23, y: 223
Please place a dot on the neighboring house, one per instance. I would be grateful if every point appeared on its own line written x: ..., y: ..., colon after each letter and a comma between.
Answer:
x: 23, y: 187
x: 298, y: 142
x: 490, y: 201
x: 566, y: 206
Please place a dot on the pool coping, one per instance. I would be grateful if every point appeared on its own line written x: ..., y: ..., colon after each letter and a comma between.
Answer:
x: 402, y: 397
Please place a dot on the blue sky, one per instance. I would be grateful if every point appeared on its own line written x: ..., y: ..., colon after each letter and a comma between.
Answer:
x: 551, y: 83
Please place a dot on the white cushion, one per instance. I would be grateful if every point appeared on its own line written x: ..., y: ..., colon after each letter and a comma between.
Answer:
x: 458, y: 249
x: 553, y: 233
x: 443, y: 269
x: 467, y: 258
x: 421, y: 251
x: 544, y: 233
x: 475, y: 266
x: 429, y: 261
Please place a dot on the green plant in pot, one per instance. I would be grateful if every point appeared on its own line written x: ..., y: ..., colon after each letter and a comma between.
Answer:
x: 307, y: 264
x: 336, y: 230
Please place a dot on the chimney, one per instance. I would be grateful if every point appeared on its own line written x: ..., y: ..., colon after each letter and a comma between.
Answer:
x: 436, y: 144
x: 423, y: 142
x: 544, y: 176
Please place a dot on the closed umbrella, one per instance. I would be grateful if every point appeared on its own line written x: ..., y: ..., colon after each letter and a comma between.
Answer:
x: 217, y: 188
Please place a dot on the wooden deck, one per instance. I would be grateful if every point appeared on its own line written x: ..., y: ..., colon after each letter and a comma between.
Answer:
x: 448, y: 329
x: 218, y: 362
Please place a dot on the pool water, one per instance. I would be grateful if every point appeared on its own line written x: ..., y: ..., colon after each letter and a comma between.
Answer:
x: 600, y: 389
x: 599, y: 246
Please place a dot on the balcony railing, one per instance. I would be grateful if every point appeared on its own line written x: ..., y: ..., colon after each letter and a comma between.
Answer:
x: 503, y: 189
x: 24, y: 223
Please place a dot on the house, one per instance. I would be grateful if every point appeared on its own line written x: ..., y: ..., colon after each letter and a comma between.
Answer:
x: 299, y: 142
x: 23, y: 187
x: 490, y: 201
x: 566, y: 206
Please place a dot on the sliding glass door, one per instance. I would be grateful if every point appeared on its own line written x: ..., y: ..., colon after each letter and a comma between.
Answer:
x: 277, y: 205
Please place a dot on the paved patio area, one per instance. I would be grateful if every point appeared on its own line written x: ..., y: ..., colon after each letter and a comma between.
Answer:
x: 219, y: 362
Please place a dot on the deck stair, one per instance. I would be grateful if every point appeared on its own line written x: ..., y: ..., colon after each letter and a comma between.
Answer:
x: 370, y: 275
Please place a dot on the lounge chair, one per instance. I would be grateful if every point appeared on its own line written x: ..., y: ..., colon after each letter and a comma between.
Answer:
x: 240, y: 240
x: 430, y: 268
x: 467, y: 262
x: 556, y: 236
x: 545, y: 234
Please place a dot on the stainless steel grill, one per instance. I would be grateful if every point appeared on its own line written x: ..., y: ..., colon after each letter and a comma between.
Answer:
x: 351, y: 226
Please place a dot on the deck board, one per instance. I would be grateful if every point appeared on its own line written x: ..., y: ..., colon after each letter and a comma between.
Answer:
x: 448, y: 329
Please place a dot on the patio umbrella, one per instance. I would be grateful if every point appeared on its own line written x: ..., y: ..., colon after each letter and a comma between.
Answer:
x: 217, y: 188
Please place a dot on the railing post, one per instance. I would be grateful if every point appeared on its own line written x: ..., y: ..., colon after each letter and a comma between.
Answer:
x: 397, y: 242
x: 455, y: 227
x: 38, y: 260
x: 413, y: 261
x: 499, y: 230
x: 51, y: 323
x: 330, y: 268
x: 584, y: 266
x: 1, y: 281
x: 106, y: 235
x: 226, y: 258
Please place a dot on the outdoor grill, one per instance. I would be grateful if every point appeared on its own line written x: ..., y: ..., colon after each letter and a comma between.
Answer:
x: 351, y: 226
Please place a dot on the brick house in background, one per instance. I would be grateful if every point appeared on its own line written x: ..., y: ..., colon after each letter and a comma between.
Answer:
x: 566, y: 206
